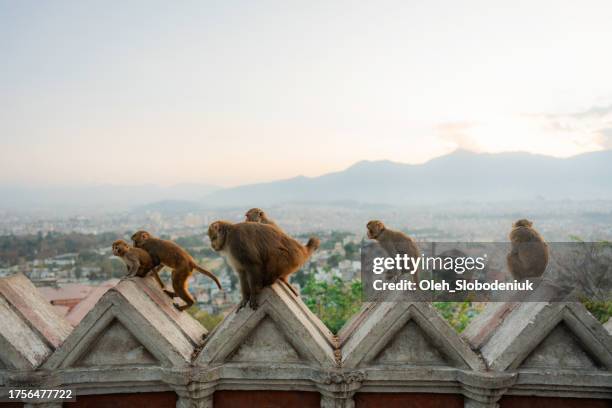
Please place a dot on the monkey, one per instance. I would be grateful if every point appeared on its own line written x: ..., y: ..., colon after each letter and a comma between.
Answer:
x: 393, y: 242
x: 260, y: 254
x: 528, y: 256
x: 138, y: 261
x: 175, y: 257
x: 258, y: 215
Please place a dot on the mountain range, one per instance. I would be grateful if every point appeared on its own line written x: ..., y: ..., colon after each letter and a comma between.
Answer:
x: 458, y: 176
x: 98, y: 197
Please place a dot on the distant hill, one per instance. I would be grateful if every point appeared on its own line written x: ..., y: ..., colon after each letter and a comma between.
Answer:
x: 456, y: 177
x: 103, y: 197
x: 459, y: 176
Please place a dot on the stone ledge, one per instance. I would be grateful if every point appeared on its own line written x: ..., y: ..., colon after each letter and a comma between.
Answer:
x: 134, y: 340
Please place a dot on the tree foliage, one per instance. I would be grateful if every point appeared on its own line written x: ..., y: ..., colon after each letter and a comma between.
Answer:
x: 209, y: 321
x: 334, y: 302
x: 17, y: 248
x: 459, y: 314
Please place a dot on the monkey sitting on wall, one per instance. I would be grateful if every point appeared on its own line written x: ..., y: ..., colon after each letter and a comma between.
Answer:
x: 528, y: 256
x: 138, y: 261
x: 258, y: 215
x: 175, y: 257
x: 393, y: 242
x: 259, y: 253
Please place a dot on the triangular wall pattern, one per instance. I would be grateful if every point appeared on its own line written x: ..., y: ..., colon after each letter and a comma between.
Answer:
x: 281, y: 330
x: 560, y: 350
x: 411, y: 346
x: 35, y: 329
x: 116, y: 346
x: 266, y: 344
x: 392, y: 333
x: 138, y: 321
x: 544, y: 335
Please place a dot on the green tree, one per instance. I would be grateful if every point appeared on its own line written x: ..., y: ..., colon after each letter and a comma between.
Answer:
x: 459, y: 314
x: 352, y: 250
x: 333, y: 302
x: 209, y: 321
x: 334, y: 260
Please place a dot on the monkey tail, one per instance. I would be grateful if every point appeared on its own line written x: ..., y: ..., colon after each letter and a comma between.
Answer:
x: 209, y: 274
x: 312, y: 245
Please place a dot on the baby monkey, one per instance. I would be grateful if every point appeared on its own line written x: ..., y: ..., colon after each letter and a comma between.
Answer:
x: 258, y: 215
x: 175, y: 257
x: 139, y: 262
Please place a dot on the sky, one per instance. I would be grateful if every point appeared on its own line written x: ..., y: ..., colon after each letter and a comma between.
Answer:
x: 236, y: 92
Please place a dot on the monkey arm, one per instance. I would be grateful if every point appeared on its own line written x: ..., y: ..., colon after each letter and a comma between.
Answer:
x: 133, y: 263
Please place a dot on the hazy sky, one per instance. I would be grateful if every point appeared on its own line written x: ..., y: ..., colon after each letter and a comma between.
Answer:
x: 233, y: 92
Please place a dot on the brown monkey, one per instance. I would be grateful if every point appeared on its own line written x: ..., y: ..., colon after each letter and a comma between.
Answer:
x: 258, y: 215
x: 138, y: 261
x: 175, y: 257
x: 528, y: 256
x: 393, y: 242
x: 259, y: 253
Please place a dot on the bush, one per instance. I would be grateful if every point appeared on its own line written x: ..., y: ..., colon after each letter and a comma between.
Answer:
x: 459, y: 314
x: 333, y: 302
x: 209, y: 321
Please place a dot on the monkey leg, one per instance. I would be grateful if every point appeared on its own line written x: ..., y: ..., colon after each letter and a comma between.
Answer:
x: 142, y: 272
x: 171, y: 294
x: 158, y: 279
x: 289, y: 285
x: 244, y: 289
x: 180, y: 287
x: 255, y: 278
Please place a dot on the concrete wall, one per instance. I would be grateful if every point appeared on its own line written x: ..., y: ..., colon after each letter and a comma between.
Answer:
x: 134, y: 349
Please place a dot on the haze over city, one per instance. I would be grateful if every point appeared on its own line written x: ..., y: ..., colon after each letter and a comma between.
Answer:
x: 232, y: 93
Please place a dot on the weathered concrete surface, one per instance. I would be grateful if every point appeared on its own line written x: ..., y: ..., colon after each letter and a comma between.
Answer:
x: 483, y: 326
x: 355, y: 321
x: 407, y: 333
x: 77, y: 313
x: 134, y: 341
x: 281, y: 331
x: 608, y: 326
x: 521, y: 331
x: 31, y: 330
x: 304, y: 311
x: 136, y: 322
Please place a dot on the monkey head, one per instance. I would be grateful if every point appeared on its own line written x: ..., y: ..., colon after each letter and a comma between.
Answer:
x: 139, y: 237
x: 254, y: 215
x: 217, y: 232
x: 120, y: 248
x: 522, y: 223
x: 375, y: 228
